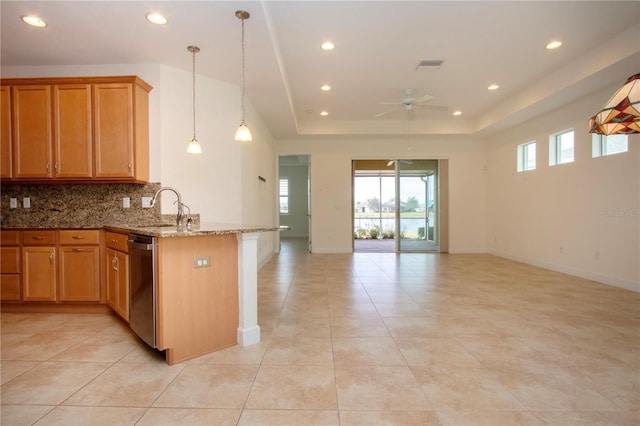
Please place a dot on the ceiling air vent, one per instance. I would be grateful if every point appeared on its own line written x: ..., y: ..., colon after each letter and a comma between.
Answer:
x: 429, y: 65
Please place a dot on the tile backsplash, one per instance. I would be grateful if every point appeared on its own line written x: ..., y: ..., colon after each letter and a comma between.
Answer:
x: 77, y: 205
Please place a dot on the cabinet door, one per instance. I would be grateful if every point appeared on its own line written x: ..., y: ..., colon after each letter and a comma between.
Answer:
x: 6, y: 166
x: 32, y: 147
x: 113, y: 132
x: 73, y: 145
x: 79, y: 274
x: 39, y: 273
x: 112, y: 277
x: 122, y: 289
x: 10, y: 287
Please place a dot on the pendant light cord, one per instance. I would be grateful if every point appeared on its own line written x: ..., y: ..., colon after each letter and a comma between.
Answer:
x: 194, y: 93
x: 242, y: 97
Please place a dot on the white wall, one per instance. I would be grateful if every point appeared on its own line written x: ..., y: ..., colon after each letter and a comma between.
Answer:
x: 298, y: 200
x: 331, y: 184
x: 590, y: 207
x: 221, y: 184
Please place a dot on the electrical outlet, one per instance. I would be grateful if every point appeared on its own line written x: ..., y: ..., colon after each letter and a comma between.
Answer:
x: 13, y: 203
x: 146, y: 202
x: 202, y: 262
x: 26, y: 202
x: 561, y: 249
x: 126, y: 202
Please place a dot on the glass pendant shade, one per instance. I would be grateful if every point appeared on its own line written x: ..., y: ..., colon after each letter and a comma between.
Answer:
x: 621, y: 114
x: 194, y: 147
x: 243, y: 134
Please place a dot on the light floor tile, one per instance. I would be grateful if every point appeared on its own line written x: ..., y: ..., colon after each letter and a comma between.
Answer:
x: 97, y: 416
x: 379, y: 388
x: 40, y: 347
x: 289, y: 417
x: 50, y: 383
x: 127, y: 385
x: 23, y: 415
x: 190, y: 417
x: 209, y: 386
x: 366, y: 351
x: 11, y: 369
x: 299, y: 351
x: 408, y: 418
x: 294, y: 387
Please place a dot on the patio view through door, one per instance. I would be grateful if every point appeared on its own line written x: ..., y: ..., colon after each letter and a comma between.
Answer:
x: 396, y: 206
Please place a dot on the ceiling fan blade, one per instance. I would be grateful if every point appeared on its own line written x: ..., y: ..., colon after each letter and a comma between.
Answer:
x: 389, y: 103
x: 380, y: 114
x: 423, y: 99
x: 433, y: 107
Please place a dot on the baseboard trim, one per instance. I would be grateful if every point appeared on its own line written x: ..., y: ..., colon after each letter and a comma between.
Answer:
x: 589, y: 275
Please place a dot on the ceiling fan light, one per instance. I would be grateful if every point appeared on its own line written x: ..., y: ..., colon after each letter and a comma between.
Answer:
x: 243, y: 134
x: 194, y: 147
x: 34, y: 21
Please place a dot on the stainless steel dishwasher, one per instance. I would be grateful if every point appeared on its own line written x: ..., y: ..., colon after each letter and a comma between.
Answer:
x: 142, y: 287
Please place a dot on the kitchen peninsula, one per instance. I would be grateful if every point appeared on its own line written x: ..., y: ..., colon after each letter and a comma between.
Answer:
x: 206, y: 287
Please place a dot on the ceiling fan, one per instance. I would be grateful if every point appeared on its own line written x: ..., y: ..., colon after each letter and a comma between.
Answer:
x: 410, y: 104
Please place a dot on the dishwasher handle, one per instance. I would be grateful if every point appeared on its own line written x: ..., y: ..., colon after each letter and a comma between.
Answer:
x: 140, y: 246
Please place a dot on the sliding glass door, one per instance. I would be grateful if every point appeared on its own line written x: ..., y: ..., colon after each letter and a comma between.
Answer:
x: 417, y: 205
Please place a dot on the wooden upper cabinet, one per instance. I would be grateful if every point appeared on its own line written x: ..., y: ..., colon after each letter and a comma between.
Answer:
x: 121, y: 134
x: 6, y: 157
x: 32, y: 148
x: 75, y: 129
x: 73, y: 143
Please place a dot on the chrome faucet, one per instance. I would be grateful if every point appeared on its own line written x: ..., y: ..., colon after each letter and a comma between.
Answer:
x: 180, y: 217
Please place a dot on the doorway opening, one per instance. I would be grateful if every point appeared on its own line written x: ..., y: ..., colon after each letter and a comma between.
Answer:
x: 294, y: 201
x: 398, y: 205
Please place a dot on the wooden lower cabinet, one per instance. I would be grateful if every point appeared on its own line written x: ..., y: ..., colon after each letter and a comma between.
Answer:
x: 118, y: 282
x: 117, y: 265
x: 10, y: 266
x: 39, y: 273
x: 79, y: 274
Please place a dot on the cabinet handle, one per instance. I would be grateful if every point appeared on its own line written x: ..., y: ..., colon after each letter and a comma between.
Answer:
x: 37, y: 238
x: 114, y: 241
x: 47, y: 167
x: 78, y: 237
x: 57, y: 168
x: 114, y: 263
x: 51, y: 258
x: 77, y: 249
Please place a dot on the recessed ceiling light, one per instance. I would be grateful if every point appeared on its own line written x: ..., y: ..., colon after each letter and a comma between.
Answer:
x: 156, y: 18
x: 324, y: 113
x: 325, y: 88
x: 34, y: 21
x: 554, y: 45
x: 457, y: 112
x: 493, y: 87
x: 327, y: 45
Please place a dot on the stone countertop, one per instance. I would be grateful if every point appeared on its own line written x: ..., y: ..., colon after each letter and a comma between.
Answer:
x: 171, y: 230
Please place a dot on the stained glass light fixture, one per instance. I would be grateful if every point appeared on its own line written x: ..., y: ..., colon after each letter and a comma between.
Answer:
x: 621, y: 114
x: 243, y: 134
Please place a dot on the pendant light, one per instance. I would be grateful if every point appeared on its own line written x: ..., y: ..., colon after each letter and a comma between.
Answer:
x: 194, y: 146
x: 243, y: 134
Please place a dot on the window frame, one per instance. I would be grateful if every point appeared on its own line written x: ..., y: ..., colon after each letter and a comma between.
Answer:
x: 523, y: 156
x: 600, y: 147
x: 282, y: 196
x: 555, y: 148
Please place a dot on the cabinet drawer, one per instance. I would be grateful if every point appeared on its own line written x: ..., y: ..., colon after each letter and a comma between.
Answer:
x: 79, y: 237
x: 116, y: 241
x: 39, y: 238
x: 10, y: 287
x: 10, y: 238
x: 10, y: 260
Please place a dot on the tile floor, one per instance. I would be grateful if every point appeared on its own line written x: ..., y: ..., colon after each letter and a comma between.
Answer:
x: 363, y: 339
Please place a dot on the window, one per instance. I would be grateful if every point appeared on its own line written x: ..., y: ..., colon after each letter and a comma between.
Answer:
x: 561, y: 148
x: 608, y: 145
x: 527, y: 156
x: 284, y: 195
